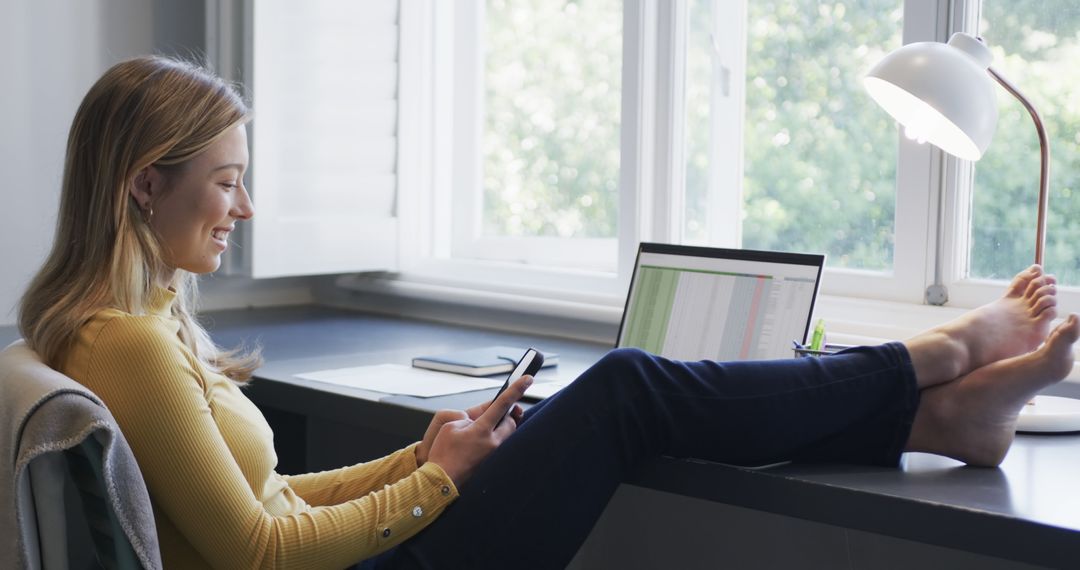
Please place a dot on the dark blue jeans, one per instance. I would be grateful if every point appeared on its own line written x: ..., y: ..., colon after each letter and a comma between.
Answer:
x: 550, y: 481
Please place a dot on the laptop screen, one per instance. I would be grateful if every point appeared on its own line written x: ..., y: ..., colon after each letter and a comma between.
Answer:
x: 694, y: 303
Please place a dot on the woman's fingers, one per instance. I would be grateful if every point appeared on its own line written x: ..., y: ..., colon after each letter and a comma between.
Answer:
x: 460, y: 443
x: 440, y: 418
x: 478, y: 410
x: 501, y: 406
x: 504, y: 430
x: 443, y: 416
x: 460, y: 446
x: 517, y: 412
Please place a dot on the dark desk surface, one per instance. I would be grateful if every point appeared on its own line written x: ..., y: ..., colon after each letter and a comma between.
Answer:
x: 1027, y: 510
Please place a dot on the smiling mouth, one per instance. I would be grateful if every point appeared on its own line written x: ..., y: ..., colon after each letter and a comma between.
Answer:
x: 220, y: 235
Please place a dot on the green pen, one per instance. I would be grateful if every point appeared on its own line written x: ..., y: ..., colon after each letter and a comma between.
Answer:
x: 817, y: 340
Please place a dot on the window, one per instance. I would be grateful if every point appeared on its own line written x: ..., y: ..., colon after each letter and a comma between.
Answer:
x: 561, y: 133
x: 820, y: 158
x: 989, y: 229
x: 539, y: 173
x: 1035, y: 45
x: 538, y: 142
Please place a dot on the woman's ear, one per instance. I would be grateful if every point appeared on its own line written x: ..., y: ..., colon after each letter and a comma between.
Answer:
x: 146, y: 186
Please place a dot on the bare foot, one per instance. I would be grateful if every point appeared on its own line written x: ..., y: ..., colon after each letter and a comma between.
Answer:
x: 1013, y: 325
x: 974, y: 418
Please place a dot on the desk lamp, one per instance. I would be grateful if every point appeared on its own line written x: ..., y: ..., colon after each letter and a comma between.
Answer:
x: 942, y: 94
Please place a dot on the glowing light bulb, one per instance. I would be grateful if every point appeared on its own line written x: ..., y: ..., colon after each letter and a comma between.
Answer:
x: 920, y: 127
x: 916, y: 133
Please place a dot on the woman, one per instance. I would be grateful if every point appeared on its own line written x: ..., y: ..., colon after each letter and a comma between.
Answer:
x: 153, y: 186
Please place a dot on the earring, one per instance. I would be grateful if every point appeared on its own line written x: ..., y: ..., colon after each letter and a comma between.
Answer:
x: 147, y: 214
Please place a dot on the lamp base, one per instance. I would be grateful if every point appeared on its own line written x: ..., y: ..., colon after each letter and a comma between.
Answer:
x: 1050, y: 414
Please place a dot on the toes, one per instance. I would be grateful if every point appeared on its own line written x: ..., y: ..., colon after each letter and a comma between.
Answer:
x: 1040, y: 286
x: 1067, y: 332
x: 1044, y: 303
x: 1070, y: 329
x: 1019, y: 284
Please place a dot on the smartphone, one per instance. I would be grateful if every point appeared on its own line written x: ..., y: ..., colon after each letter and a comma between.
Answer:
x: 529, y: 364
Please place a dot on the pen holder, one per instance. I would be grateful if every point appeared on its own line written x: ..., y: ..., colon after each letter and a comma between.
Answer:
x: 802, y: 350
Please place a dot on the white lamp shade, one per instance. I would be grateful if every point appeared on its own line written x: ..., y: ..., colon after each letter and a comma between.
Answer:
x: 941, y: 93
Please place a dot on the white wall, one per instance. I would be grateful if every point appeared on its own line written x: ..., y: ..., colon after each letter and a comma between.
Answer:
x: 53, y: 51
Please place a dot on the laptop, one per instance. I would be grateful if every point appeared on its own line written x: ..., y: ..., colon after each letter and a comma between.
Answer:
x: 707, y: 303
x: 696, y: 303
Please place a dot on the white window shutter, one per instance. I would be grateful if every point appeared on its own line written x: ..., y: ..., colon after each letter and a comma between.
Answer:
x: 324, y: 140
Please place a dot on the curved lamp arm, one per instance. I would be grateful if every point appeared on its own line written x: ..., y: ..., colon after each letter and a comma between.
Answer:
x: 1044, y: 172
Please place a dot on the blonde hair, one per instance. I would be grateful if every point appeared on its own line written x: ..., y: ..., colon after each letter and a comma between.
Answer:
x: 141, y: 112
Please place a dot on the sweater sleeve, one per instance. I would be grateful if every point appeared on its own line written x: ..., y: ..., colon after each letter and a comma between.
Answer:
x: 153, y: 386
x: 347, y: 483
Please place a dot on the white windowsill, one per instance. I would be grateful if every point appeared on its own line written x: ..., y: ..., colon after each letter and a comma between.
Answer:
x: 601, y: 309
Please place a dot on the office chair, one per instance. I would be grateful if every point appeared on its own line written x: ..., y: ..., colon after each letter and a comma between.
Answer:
x: 71, y: 494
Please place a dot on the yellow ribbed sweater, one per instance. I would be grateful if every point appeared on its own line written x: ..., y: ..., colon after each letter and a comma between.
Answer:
x: 207, y: 455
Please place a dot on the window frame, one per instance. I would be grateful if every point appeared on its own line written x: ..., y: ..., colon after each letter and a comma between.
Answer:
x: 959, y: 184
x: 465, y: 236
x: 929, y: 194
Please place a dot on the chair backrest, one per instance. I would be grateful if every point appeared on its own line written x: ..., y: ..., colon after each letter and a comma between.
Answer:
x: 71, y: 494
x: 87, y: 472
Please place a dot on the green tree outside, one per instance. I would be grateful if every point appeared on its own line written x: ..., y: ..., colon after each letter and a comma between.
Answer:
x: 551, y: 145
x: 819, y: 155
x: 1036, y: 45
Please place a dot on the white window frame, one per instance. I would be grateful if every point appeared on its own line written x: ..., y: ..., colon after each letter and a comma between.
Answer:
x: 650, y: 186
x: 429, y: 41
x: 917, y: 187
x: 861, y: 305
x: 727, y: 111
x: 466, y: 239
x: 916, y: 183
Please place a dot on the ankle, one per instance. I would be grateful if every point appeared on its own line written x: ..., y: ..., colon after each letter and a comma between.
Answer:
x: 938, y: 356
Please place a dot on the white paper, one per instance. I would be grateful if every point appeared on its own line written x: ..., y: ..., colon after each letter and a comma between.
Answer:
x: 541, y: 390
x: 401, y: 379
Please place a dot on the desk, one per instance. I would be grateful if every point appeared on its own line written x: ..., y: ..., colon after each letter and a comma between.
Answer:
x: 1027, y: 511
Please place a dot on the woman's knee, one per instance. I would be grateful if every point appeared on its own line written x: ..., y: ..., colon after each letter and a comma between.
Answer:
x: 622, y: 358
x: 620, y: 366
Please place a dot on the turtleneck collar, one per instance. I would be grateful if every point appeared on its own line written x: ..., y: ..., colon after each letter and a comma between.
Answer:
x: 161, y: 301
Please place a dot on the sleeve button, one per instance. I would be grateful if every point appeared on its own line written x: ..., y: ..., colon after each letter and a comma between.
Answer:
x: 386, y: 533
x: 446, y: 490
x: 417, y: 512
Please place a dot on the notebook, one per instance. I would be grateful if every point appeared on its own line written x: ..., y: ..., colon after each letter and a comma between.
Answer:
x: 479, y: 362
x: 695, y: 303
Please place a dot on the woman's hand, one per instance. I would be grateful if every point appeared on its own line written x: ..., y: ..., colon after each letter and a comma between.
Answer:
x: 478, y: 410
x: 443, y: 416
x: 461, y: 440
